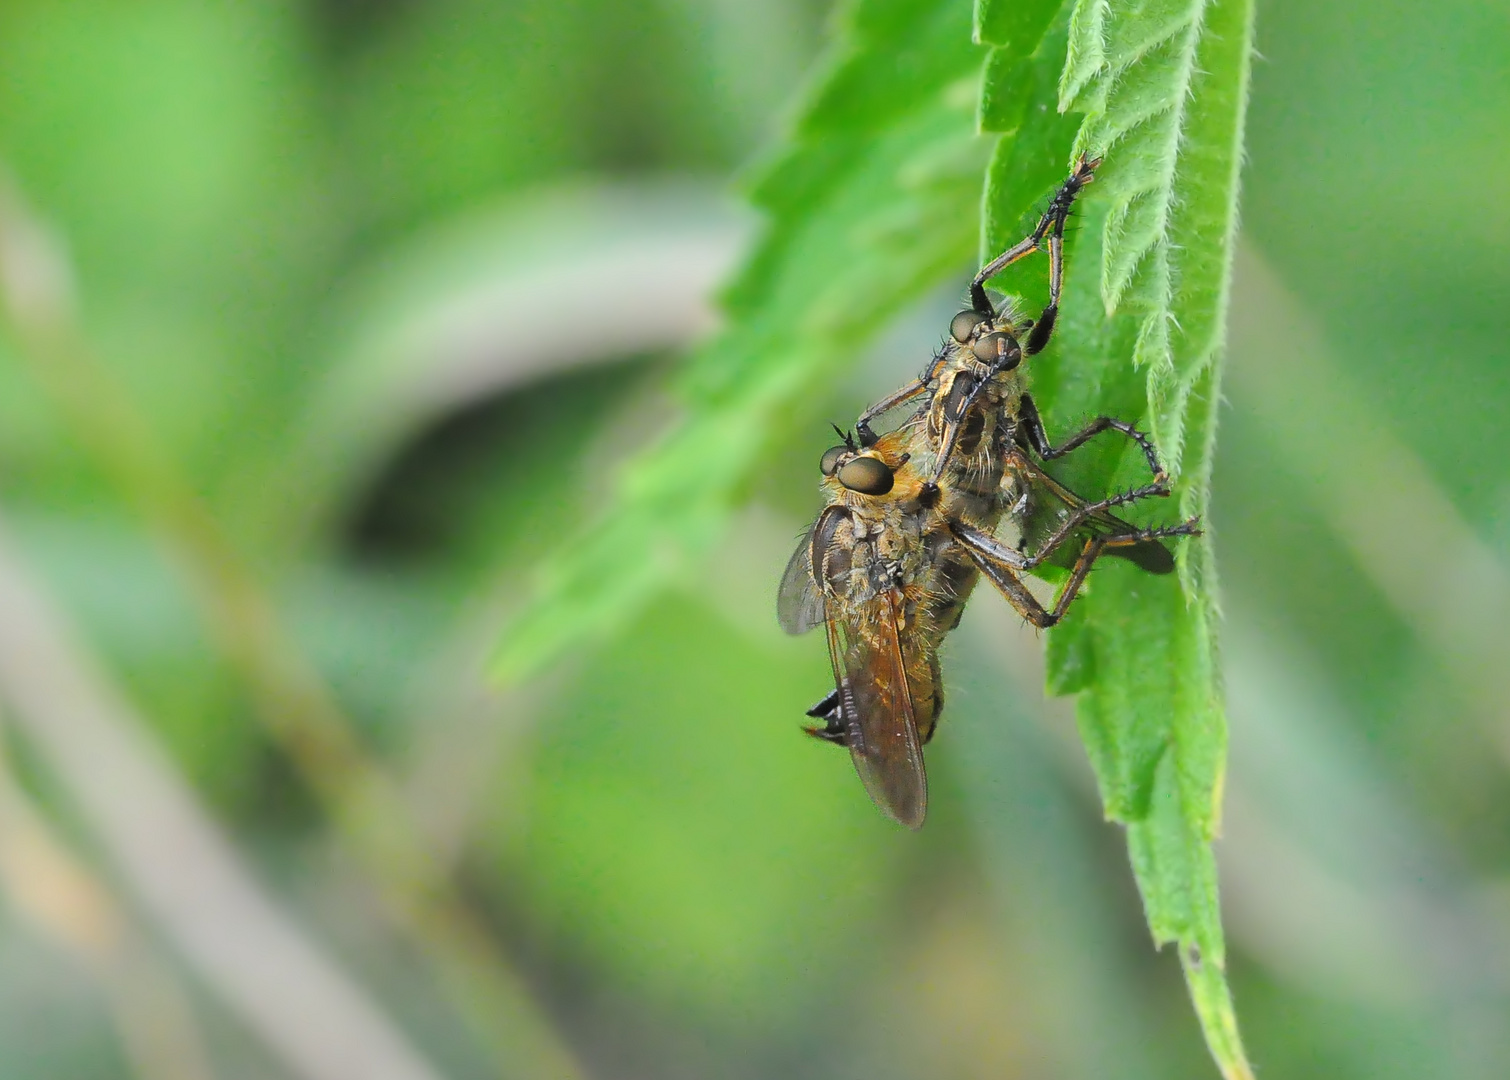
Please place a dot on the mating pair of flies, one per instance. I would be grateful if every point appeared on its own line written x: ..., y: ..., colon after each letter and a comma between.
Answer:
x: 915, y: 516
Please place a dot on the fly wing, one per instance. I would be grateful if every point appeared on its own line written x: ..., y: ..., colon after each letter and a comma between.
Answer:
x: 876, y: 710
x: 1050, y: 502
x: 799, y: 605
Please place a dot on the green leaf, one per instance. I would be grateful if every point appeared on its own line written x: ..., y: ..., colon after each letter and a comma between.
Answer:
x: 870, y: 203
x: 1162, y: 87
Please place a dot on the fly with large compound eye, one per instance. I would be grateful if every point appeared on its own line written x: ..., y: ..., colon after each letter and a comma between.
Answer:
x: 880, y: 573
x: 979, y: 415
x: 975, y: 330
x: 987, y: 442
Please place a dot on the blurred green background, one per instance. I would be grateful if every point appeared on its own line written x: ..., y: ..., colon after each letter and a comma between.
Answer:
x: 328, y: 318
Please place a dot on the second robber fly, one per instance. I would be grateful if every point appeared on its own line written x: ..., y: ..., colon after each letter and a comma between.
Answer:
x: 977, y: 439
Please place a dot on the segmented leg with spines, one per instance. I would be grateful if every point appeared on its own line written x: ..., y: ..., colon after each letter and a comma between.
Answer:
x: 1030, y: 426
x: 1002, y: 565
x: 908, y: 393
x: 1081, y: 514
x: 897, y: 398
x: 1050, y: 229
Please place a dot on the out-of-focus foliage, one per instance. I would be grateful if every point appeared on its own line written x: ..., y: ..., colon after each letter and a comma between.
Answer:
x: 270, y: 209
x: 865, y: 209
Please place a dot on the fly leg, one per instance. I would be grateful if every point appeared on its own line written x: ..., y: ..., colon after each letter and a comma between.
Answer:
x: 1030, y: 427
x: 897, y: 398
x: 1144, y: 552
x: 1099, y: 545
x: 1003, y: 565
x: 1049, y: 231
x: 828, y: 710
x: 1082, y: 513
x: 885, y: 405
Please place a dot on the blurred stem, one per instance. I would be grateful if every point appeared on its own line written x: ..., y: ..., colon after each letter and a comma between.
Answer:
x: 62, y: 897
x: 181, y: 869
x: 292, y: 702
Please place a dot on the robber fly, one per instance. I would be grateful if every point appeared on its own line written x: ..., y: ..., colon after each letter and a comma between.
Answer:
x: 912, y: 521
x: 880, y: 572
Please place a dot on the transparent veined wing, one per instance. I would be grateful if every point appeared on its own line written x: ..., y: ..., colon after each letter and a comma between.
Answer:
x: 799, y: 605
x: 875, y: 709
x: 799, y: 601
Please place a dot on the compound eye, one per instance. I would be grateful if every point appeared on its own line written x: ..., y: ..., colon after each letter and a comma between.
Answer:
x: 964, y: 324
x: 829, y: 462
x: 867, y: 475
x: 994, y: 348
